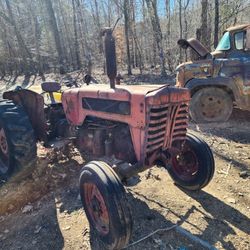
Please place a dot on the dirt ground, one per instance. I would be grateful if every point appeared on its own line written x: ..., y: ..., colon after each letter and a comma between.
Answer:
x: 42, y: 209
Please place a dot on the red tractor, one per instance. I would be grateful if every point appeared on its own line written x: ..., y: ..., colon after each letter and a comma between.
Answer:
x: 126, y: 129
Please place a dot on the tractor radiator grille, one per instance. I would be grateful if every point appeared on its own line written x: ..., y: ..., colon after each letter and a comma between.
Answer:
x: 167, y: 123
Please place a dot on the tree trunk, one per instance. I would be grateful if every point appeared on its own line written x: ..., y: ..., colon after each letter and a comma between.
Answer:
x: 152, y: 8
x: 204, y: 26
x: 55, y: 32
x: 37, y: 34
x: 185, y: 23
x: 99, y: 28
x: 65, y: 35
x: 180, y: 17
x: 180, y: 25
x: 25, y: 53
x: 168, y: 20
x: 76, y: 43
x: 216, y: 23
x: 82, y: 31
x: 126, y: 27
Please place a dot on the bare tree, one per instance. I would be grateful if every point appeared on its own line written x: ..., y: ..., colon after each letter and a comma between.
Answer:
x: 152, y: 8
x: 216, y: 22
x: 39, y: 36
x: 126, y: 28
x: 76, y: 43
x: 98, y: 23
x: 204, y: 25
x: 24, y: 51
x: 54, y: 29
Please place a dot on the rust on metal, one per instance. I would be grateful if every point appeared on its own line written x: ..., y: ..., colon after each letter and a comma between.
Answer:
x: 96, y: 207
x: 33, y: 104
x: 228, y: 68
x: 238, y: 27
x: 195, y: 45
x: 145, y: 102
x: 248, y: 39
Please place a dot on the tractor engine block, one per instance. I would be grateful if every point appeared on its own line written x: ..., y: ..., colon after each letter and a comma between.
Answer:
x: 104, y: 138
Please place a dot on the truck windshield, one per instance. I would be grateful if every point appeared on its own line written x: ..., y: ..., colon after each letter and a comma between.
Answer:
x: 224, y: 43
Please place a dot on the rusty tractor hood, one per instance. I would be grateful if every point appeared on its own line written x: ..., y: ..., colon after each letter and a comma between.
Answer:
x: 195, y: 45
x: 134, y: 105
x: 125, y: 92
x: 79, y: 102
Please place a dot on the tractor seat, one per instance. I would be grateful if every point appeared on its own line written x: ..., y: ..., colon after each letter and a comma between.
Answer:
x: 51, y: 92
x: 50, y: 87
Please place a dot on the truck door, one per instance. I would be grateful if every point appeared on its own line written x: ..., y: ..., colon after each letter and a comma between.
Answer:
x: 247, y: 65
x: 242, y: 50
x: 248, y: 39
x: 244, y: 46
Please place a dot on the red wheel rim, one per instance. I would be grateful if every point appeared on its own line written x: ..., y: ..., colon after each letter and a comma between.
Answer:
x: 4, y: 152
x: 3, y: 142
x: 185, y: 163
x: 96, y: 208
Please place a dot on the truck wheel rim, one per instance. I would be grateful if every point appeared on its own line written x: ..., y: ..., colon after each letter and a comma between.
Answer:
x: 97, y: 208
x: 185, y: 164
x: 4, y: 152
x: 212, y: 106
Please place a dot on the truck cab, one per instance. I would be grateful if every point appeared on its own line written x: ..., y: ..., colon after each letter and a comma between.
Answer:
x: 219, y: 80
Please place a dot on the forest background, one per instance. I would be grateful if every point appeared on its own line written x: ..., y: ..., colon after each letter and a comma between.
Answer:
x: 44, y: 36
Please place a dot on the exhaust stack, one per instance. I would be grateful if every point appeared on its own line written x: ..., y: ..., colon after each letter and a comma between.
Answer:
x: 109, y: 45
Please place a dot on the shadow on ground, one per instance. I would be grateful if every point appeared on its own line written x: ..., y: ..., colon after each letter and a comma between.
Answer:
x: 239, y: 165
x: 222, y: 219
x: 237, y: 129
x: 220, y: 223
x: 39, y: 230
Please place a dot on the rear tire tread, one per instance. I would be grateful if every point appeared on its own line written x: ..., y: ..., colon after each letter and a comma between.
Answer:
x: 20, y: 137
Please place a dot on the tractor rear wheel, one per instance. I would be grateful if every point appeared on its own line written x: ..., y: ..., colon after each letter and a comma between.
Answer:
x: 17, y: 140
x: 192, y: 163
x: 105, y: 204
x: 211, y: 105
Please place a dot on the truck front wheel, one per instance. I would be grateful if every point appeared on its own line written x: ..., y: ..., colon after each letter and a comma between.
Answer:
x: 211, y: 105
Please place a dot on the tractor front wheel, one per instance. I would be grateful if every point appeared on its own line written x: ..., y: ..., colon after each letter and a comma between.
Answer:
x: 105, y: 204
x: 17, y: 140
x: 192, y: 163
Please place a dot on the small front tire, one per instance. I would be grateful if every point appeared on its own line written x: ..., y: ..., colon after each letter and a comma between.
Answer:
x: 192, y: 163
x: 105, y: 204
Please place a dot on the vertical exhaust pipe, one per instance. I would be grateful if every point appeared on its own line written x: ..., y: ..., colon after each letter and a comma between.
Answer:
x: 110, y: 54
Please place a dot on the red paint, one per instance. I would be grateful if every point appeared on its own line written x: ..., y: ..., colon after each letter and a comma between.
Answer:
x: 141, y: 98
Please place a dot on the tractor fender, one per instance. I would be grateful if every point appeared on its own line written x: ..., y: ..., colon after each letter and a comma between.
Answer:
x: 33, y: 104
x: 224, y: 83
